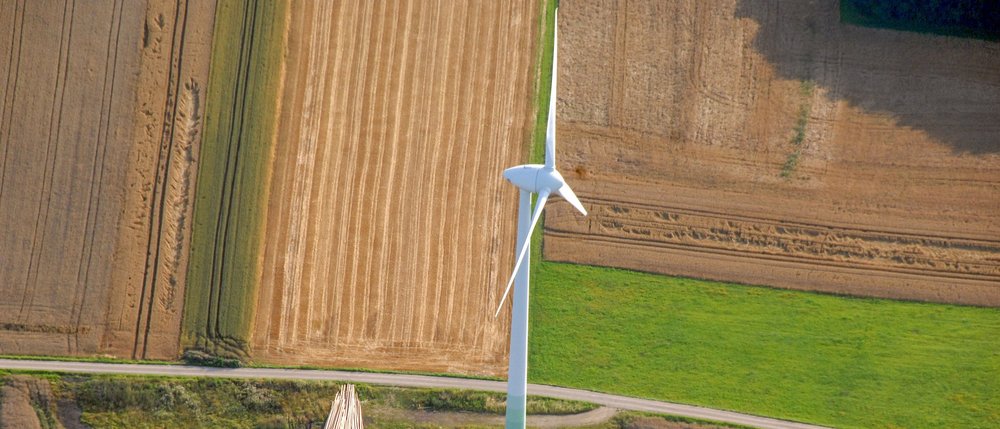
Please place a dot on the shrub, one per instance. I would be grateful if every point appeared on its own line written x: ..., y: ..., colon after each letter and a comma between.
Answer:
x: 258, y: 399
x: 174, y: 396
x: 201, y: 358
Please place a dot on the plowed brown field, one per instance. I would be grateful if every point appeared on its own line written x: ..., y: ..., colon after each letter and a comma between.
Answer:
x: 764, y: 142
x: 387, y: 220
x: 98, y: 126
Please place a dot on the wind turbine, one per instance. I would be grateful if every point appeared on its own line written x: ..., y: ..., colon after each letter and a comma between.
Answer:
x: 544, y: 180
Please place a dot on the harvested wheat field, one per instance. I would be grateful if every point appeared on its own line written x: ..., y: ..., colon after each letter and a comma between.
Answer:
x: 389, y: 231
x: 100, y: 117
x: 765, y: 142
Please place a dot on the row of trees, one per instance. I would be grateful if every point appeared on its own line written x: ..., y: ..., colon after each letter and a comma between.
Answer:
x: 973, y: 18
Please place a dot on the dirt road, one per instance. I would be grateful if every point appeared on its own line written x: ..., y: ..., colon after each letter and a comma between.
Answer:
x: 405, y: 380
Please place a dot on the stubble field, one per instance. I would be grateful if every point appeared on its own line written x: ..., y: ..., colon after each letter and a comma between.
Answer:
x: 386, y: 217
x: 765, y: 142
x: 100, y: 121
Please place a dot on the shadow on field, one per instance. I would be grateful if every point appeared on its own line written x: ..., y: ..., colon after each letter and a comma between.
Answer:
x: 948, y: 87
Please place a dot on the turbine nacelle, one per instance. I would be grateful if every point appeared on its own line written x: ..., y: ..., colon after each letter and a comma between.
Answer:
x: 534, y: 177
x: 538, y: 178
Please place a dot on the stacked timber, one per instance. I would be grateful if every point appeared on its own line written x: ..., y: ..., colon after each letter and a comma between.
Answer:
x: 345, y: 412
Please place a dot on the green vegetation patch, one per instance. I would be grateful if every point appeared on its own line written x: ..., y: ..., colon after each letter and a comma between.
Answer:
x: 117, y: 401
x: 128, y: 402
x: 543, y: 93
x: 465, y: 401
x: 806, y: 89
x: 232, y: 189
x: 824, y: 359
x: 962, y: 18
x: 640, y: 420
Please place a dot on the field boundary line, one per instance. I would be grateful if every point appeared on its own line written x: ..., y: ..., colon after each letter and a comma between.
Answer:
x: 814, y: 263
x: 792, y: 222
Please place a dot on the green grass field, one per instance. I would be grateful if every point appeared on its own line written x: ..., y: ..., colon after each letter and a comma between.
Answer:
x: 231, y: 189
x: 823, y: 359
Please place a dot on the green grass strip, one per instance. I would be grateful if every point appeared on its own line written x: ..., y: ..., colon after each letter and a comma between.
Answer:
x: 544, y: 86
x: 231, y: 190
x: 543, y: 93
x: 844, y: 362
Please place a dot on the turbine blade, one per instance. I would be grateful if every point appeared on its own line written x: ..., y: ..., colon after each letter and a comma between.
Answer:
x: 539, y: 205
x: 567, y: 193
x: 550, y: 130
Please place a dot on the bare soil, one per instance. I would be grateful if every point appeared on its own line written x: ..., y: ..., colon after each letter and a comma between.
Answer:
x: 386, y: 221
x: 15, y: 408
x: 27, y: 403
x: 662, y: 423
x: 764, y: 142
x: 99, y: 123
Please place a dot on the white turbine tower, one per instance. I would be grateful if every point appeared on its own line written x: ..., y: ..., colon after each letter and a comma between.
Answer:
x: 543, y: 180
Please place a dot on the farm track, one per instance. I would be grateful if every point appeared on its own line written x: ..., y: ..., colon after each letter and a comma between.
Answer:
x: 423, y: 381
x: 76, y: 207
x: 892, y: 196
x: 366, y: 265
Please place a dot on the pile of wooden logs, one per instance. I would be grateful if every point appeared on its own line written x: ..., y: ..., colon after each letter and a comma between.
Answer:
x: 345, y: 412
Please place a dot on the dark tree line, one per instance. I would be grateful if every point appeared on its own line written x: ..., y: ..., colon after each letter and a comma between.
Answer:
x: 971, y: 18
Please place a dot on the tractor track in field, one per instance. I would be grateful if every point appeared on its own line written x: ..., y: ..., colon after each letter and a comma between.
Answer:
x: 242, y: 93
x: 233, y: 143
x: 968, y: 262
x: 925, y: 253
x: 94, y: 204
x: 88, y: 172
x: 47, y: 174
x: 164, y: 157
